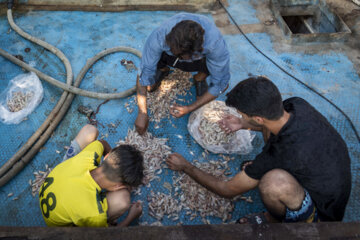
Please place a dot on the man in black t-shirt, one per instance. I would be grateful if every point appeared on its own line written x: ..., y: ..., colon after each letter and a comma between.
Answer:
x: 303, y: 172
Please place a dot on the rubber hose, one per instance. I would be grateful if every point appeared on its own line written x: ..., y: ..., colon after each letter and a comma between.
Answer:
x: 18, y: 166
x: 57, y: 52
x: 69, y: 77
x: 73, y: 89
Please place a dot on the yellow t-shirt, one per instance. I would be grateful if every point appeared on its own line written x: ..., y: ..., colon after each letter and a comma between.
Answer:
x: 70, y: 196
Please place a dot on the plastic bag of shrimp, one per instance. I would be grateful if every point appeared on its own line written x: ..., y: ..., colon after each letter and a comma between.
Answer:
x: 22, y: 95
x: 203, y: 126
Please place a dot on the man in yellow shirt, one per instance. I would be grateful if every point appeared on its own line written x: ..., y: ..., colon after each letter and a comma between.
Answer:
x: 81, y: 191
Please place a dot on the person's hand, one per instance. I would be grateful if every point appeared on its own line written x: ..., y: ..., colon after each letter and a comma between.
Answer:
x: 178, y: 110
x: 135, y: 210
x: 141, y: 123
x: 244, y: 164
x: 230, y: 123
x: 176, y: 162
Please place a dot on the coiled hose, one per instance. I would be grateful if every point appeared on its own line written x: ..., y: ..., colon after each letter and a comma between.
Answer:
x: 24, y: 155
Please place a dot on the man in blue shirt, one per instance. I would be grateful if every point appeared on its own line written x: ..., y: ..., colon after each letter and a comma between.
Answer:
x: 191, y: 43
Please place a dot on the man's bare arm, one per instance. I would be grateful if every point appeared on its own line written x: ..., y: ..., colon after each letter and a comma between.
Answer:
x: 202, y: 100
x: 106, y: 145
x: 141, y: 93
x: 142, y: 120
x: 179, y: 111
x: 239, y: 184
x: 231, y: 123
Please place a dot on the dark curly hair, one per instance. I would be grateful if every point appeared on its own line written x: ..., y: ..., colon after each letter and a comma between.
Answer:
x: 186, y: 37
x: 124, y: 164
x: 256, y: 96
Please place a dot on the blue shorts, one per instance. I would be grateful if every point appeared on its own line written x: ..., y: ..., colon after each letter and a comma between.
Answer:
x: 307, y: 213
x: 72, y: 150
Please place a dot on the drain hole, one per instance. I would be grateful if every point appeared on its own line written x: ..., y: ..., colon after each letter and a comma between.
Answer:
x: 296, y: 24
x: 310, y: 24
x: 309, y: 21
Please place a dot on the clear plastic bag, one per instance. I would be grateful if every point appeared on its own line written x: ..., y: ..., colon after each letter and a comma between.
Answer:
x: 20, y: 98
x: 203, y: 127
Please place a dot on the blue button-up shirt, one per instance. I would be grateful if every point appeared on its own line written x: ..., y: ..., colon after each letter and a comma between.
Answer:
x: 214, y: 49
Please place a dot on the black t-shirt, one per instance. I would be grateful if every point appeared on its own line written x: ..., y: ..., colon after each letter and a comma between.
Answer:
x: 312, y: 151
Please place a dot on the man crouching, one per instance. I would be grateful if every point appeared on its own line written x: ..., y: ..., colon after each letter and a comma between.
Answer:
x: 303, y: 172
x: 82, y: 192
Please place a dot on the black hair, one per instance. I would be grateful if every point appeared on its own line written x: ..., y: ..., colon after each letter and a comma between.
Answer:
x: 186, y: 37
x: 124, y: 164
x: 256, y: 96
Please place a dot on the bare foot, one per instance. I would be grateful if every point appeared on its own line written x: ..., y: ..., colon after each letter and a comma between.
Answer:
x: 200, y: 76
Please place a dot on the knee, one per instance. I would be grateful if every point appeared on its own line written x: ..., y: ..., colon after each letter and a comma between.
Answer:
x: 154, y: 87
x: 150, y: 88
x: 275, y: 182
x: 91, y: 132
x: 124, y: 204
x: 87, y: 134
x: 200, y: 76
x: 118, y: 203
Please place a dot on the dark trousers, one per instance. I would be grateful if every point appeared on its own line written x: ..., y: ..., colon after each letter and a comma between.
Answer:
x: 195, y: 66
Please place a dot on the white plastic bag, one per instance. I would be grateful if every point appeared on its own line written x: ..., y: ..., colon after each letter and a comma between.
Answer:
x: 204, y: 128
x: 20, y: 98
